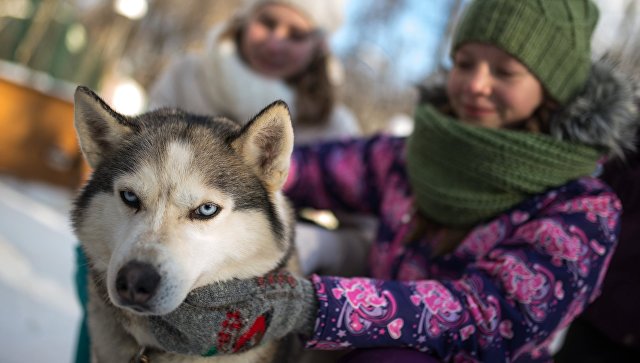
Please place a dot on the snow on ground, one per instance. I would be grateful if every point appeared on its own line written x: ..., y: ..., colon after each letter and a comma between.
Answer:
x: 39, y: 314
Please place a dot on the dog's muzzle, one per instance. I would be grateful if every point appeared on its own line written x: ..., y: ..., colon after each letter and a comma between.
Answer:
x: 136, y: 284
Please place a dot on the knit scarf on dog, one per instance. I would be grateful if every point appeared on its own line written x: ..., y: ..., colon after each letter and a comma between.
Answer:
x: 463, y: 174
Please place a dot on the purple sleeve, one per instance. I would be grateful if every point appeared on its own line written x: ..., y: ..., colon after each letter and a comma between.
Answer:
x: 507, y: 304
x: 345, y: 175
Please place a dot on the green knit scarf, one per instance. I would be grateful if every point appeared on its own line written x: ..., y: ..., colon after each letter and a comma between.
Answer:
x: 463, y: 174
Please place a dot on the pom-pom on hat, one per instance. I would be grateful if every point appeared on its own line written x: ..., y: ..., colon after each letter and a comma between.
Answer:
x: 551, y: 37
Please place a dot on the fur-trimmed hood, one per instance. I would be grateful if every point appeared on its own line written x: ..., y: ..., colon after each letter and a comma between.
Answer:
x: 605, y: 115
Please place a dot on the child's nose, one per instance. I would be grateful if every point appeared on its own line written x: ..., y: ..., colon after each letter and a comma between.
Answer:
x: 480, y: 81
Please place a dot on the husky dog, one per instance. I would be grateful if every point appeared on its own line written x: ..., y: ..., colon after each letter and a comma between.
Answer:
x: 176, y: 201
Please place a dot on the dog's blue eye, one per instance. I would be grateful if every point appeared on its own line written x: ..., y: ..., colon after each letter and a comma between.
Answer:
x: 130, y: 199
x: 205, y: 211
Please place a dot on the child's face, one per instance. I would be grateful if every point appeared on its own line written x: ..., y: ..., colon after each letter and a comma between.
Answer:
x: 278, y: 41
x: 490, y: 88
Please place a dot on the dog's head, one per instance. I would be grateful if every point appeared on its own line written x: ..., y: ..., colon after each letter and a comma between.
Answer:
x: 177, y: 201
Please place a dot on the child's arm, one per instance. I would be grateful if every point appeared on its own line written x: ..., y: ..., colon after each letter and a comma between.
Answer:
x: 345, y: 175
x: 514, y: 299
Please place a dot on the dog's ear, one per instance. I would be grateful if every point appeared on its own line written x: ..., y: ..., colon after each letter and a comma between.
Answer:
x: 99, y: 127
x: 266, y: 143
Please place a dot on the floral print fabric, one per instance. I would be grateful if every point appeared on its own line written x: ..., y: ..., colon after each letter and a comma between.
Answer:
x: 503, y: 293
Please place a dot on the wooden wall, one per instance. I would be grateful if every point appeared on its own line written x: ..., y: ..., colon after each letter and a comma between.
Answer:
x: 37, y: 137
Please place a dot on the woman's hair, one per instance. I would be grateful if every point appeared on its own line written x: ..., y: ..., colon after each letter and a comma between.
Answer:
x: 314, y: 92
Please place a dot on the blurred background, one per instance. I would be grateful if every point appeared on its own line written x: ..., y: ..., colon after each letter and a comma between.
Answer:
x: 118, y: 47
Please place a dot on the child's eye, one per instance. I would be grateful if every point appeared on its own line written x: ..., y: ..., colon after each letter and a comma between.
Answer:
x: 505, y: 73
x: 463, y: 64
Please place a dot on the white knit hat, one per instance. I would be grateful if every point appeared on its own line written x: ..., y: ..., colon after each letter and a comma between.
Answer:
x: 326, y: 15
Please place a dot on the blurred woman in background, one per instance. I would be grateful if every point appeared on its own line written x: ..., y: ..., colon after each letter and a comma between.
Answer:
x: 270, y: 50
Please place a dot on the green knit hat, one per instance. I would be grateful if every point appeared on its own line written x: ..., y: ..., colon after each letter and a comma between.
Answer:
x: 551, y: 37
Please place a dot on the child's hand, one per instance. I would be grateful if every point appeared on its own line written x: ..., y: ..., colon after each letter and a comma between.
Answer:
x: 235, y: 315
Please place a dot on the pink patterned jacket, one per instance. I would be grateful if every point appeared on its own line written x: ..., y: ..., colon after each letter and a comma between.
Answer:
x: 513, y: 282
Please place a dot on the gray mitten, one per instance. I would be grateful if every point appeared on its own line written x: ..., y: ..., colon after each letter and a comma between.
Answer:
x: 235, y: 315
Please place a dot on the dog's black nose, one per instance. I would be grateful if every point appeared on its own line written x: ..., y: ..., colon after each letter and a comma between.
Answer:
x: 136, y: 283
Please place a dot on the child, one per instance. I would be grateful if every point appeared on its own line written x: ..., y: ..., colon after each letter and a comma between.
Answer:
x: 494, y: 235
